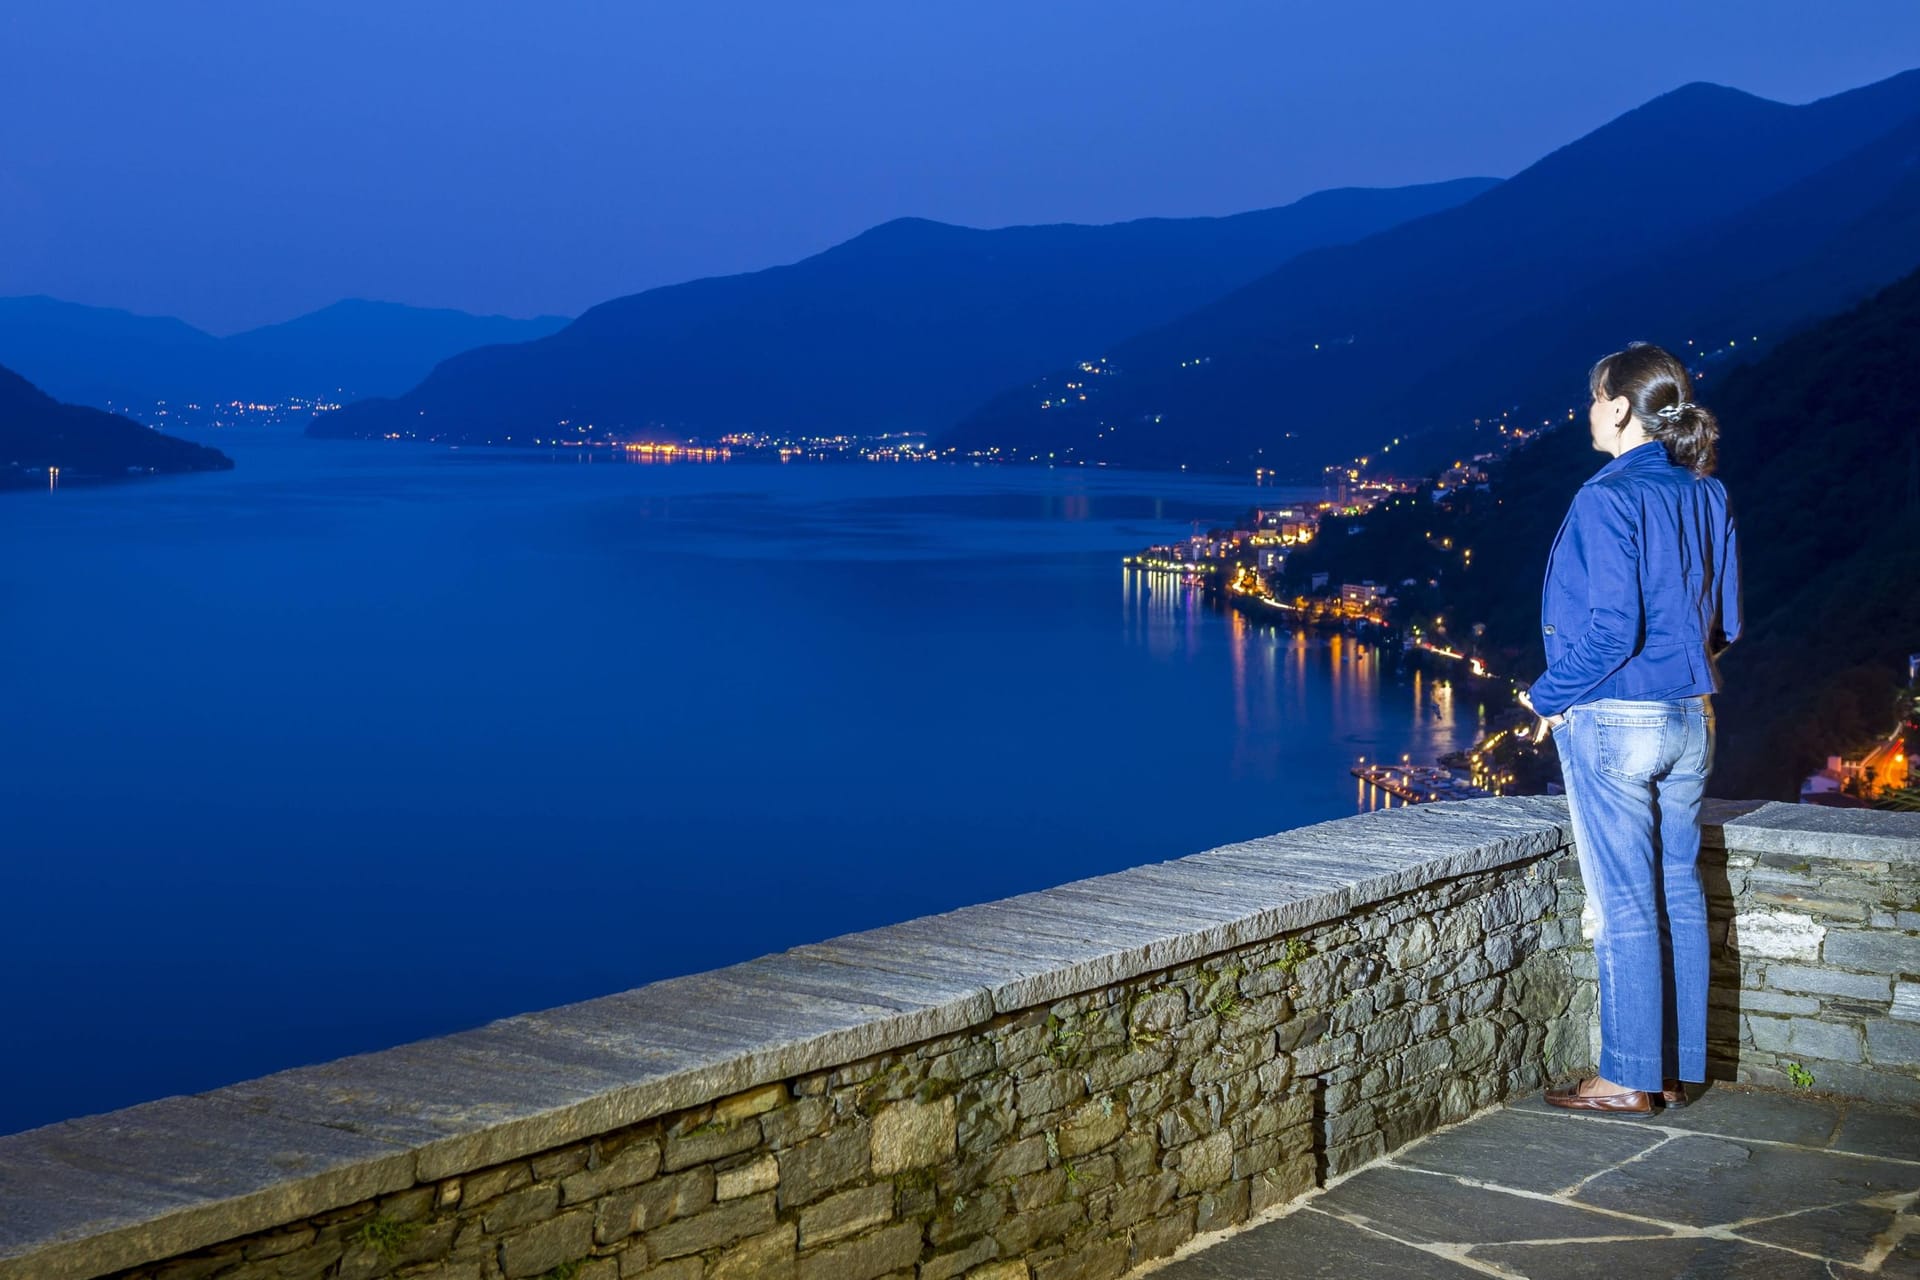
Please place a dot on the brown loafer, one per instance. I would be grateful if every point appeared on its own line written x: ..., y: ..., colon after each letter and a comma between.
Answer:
x: 1632, y: 1102
x: 1673, y: 1093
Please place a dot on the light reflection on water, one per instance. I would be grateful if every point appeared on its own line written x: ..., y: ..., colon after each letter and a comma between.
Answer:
x: 1288, y: 685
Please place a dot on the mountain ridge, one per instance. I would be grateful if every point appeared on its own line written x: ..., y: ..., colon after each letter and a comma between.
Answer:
x: 38, y: 432
x: 900, y: 327
x: 1351, y: 331
x: 109, y: 356
x: 1821, y: 464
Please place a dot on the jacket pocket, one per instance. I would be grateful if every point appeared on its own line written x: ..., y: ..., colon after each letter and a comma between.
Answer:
x: 1666, y: 666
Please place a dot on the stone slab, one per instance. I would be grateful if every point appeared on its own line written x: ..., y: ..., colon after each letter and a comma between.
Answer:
x: 458, y: 1107
x: 1229, y: 908
x: 1705, y: 1181
x: 1902, y: 1261
x: 1716, y: 814
x: 1398, y: 860
x: 1296, y: 875
x: 1816, y: 831
x: 1767, y: 1227
x: 1056, y: 942
x: 1606, y: 1260
x: 1761, y: 1114
x: 108, y: 1192
x: 1421, y: 1207
x: 68, y: 1220
x: 1534, y: 1152
x: 533, y: 1082
x: 1308, y: 1245
x: 880, y: 985
x: 1724, y: 1110
x: 1845, y: 1233
x: 1253, y: 880
x: 1879, y: 1131
x: 777, y: 1029
x: 1834, y: 982
x: 1888, y: 951
x: 919, y: 962
x: 1187, y: 912
x: 1057, y: 916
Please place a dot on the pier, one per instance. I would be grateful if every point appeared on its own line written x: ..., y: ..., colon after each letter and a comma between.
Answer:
x: 1418, y: 783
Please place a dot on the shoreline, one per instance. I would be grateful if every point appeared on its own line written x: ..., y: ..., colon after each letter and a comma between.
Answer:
x: 1454, y: 774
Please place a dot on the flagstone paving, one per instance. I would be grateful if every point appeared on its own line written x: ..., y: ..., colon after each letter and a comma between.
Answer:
x: 1743, y: 1183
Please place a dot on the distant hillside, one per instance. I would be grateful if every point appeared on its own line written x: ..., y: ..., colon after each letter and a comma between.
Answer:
x: 37, y: 432
x: 1823, y: 460
x: 375, y: 348
x: 1820, y: 453
x: 100, y: 356
x: 1706, y: 214
x: 904, y: 327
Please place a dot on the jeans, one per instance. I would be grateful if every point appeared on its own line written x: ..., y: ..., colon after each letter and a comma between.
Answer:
x: 1635, y: 772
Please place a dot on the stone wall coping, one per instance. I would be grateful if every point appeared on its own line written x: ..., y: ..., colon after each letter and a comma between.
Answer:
x: 93, y: 1195
x: 98, y: 1194
x: 1816, y: 831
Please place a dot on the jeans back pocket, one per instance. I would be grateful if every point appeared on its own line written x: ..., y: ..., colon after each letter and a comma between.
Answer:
x: 1630, y: 745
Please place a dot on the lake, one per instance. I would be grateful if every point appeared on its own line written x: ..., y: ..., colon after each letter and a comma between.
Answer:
x: 363, y: 742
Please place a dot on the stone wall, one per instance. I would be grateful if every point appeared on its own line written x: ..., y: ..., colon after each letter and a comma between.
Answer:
x: 1817, y: 982
x: 1062, y: 1084
x: 1814, y: 921
x: 1074, y: 1140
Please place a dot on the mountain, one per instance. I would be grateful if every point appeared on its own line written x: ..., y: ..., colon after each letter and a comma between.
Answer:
x: 375, y: 348
x: 1682, y: 218
x: 104, y: 357
x: 100, y: 356
x: 1820, y: 454
x: 38, y: 432
x: 904, y: 327
x: 1823, y: 467
x: 1745, y: 282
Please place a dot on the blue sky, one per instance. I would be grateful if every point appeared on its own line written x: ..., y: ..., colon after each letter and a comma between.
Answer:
x: 238, y: 163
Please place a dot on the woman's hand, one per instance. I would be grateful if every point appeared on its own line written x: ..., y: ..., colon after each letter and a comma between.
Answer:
x: 1552, y: 722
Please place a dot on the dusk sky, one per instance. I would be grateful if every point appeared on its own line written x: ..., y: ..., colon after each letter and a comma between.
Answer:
x: 239, y: 163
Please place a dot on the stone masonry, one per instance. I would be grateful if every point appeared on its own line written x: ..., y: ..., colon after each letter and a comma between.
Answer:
x: 1072, y: 1141
x: 1072, y: 1136
x: 1814, y: 923
x: 1817, y: 977
x: 1065, y: 1084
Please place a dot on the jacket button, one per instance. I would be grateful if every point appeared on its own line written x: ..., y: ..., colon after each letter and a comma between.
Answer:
x: 1548, y: 630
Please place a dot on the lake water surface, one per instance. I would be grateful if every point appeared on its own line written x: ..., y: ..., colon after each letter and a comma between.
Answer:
x: 366, y: 742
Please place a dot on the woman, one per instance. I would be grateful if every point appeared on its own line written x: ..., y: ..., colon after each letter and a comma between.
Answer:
x: 1642, y: 594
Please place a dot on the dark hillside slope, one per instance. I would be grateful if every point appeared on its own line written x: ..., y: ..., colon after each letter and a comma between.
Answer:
x: 114, y: 359
x: 904, y: 327
x: 38, y: 432
x: 1350, y: 346
x: 1820, y: 453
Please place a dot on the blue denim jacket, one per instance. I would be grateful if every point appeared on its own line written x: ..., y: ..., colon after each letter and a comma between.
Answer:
x: 1643, y: 586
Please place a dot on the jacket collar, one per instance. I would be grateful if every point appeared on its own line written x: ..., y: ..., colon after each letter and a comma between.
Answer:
x: 1639, y: 458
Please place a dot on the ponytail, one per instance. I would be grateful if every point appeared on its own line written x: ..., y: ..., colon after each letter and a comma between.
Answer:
x: 1657, y: 385
x: 1688, y: 435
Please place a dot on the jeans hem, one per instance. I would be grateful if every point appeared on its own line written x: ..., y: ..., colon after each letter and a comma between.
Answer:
x: 1634, y: 1072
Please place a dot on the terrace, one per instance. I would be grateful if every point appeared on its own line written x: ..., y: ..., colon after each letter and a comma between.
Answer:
x: 1314, y: 1053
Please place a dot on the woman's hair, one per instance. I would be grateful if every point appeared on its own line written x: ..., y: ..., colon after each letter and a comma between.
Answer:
x: 1653, y: 379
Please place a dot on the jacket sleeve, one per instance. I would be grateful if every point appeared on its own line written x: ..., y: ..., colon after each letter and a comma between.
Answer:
x: 1609, y: 547
x: 1727, y: 583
